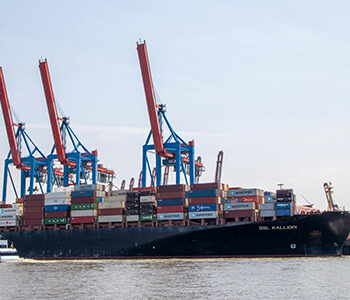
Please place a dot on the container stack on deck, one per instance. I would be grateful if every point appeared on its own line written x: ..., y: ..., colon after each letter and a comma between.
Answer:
x: 84, y: 203
x: 206, y: 200
x: 285, y: 205
x: 243, y: 204
x: 57, y: 207
x: 8, y: 216
x: 148, y: 205
x: 33, y: 209
x: 112, y: 208
x: 132, y: 204
x: 172, y: 203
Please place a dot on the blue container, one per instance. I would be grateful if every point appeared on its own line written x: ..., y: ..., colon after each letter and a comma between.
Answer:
x: 203, y: 207
x: 283, y: 212
x: 76, y: 194
x: 59, y: 207
x: 170, y: 202
x: 283, y: 205
x: 266, y: 193
x: 203, y: 193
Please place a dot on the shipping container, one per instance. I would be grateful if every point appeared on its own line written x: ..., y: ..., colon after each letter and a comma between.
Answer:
x: 146, y: 217
x: 283, y: 212
x: 203, y: 215
x: 203, y: 207
x: 60, y: 195
x: 147, y: 199
x: 272, y: 199
x: 56, y: 214
x: 89, y: 187
x: 204, y: 193
x: 8, y: 210
x: 82, y: 220
x: 107, y: 219
x: 240, y: 206
x: 232, y: 200
x: 57, y: 201
x: 84, y: 213
x: 171, y: 216
x: 34, y: 197
x: 105, y: 205
x: 171, y: 195
x: 111, y: 211
x: 61, y: 207
x: 6, y: 223
x: 34, y: 203
x: 267, y: 213
x: 88, y: 193
x: 132, y: 218
x: 8, y: 216
x: 205, y: 200
x: 35, y: 209
x: 81, y: 200
x: 244, y: 192
x: 172, y: 188
x: 208, y: 186
x: 239, y: 214
x: 51, y: 221
x: 32, y: 222
x: 83, y: 206
x: 171, y: 202
x: 170, y: 209
x: 34, y: 215
x: 130, y: 212
x: 267, y: 206
x: 283, y: 205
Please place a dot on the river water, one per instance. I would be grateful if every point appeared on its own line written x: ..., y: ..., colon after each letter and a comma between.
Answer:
x: 261, y: 278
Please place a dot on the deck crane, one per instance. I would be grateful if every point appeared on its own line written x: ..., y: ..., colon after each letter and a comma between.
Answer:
x: 219, y: 167
x: 174, y: 151
x: 328, y: 189
x: 33, y: 166
x: 80, y: 160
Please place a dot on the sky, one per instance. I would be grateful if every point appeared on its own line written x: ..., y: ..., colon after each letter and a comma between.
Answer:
x: 264, y: 81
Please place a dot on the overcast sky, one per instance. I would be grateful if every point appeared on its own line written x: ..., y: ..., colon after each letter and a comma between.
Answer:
x: 267, y: 82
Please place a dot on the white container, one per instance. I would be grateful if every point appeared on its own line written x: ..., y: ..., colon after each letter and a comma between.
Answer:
x: 8, y: 210
x: 64, y: 189
x: 8, y: 216
x: 203, y: 215
x: 89, y: 187
x: 132, y: 218
x: 267, y: 213
x: 59, y: 195
x: 117, y: 204
x: 121, y: 197
x: 240, y: 206
x: 113, y: 199
x: 267, y: 206
x: 245, y: 192
x: 171, y: 216
x: 8, y: 223
x: 107, y: 219
x: 84, y: 213
x: 147, y: 199
x: 57, y: 201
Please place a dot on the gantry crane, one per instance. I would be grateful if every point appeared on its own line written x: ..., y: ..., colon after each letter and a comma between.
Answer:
x: 328, y: 189
x: 34, y: 165
x: 174, y: 151
x: 80, y: 160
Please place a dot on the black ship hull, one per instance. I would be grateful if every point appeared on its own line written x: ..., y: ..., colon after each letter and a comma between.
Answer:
x: 300, y: 235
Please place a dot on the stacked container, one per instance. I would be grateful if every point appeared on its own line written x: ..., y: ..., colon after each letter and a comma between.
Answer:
x: 132, y: 205
x: 57, y: 206
x: 205, y: 200
x: 147, y: 205
x: 8, y: 216
x: 33, y: 209
x: 84, y: 203
x: 112, y: 208
x: 172, y: 203
x: 270, y: 197
x: 285, y: 205
x: 243, y: 204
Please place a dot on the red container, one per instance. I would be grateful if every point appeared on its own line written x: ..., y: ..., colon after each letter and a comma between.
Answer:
x: 255, y: 199
x: 171, y: 195
x: 36, y: 215
x: 5, y: 206
x: 19, y: 200
x: 110, y: 211
x: 82, y: 200
x: 34, y: 197
x: 33, y: 203
x: 207, y: 186
x: 205, y: 200
x: 27, y: 222
x: 171, y: 188
x: 34, y: 209
x: 56, y: 214
x: 81, y: 220
x: 239, y: 214
x: 170, y: 209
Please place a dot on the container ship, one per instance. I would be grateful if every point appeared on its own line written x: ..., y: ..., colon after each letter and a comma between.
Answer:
x: 173, y: 221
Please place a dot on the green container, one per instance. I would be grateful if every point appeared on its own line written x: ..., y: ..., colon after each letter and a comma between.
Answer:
x: 146, y: 217
x: 83, y: 206
x: 51, y: 221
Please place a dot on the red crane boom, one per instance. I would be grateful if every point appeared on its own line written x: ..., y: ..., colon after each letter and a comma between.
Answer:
x: 51, y: 106
x: 151, y: 101
x: 16, y: 158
